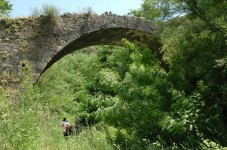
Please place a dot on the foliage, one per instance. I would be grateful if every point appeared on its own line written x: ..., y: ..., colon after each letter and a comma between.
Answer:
x: 30, y: 123
x: 193, y: 34
x: 50, y: 11
x: 70, y: 94
x: 159, y: 9
x: 19, y: 126
x: 127, y: 89
x: 124, y: 93
x: 121, y: 95
x: 49, y: 17
x: 5, y: 8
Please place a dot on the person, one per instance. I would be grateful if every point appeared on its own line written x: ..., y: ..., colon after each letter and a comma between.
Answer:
x: 65, y: 127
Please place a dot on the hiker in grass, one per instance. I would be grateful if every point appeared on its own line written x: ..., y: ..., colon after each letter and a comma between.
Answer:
x: 65, y: 127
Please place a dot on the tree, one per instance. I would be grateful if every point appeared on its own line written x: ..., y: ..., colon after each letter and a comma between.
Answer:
x: 5, y: 8
x: 193, y: 34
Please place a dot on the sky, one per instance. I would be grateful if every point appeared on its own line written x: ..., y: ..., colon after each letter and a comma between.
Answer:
x: 22, y: 8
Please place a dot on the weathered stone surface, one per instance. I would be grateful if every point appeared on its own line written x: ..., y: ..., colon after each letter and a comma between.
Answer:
x: 43, y: 42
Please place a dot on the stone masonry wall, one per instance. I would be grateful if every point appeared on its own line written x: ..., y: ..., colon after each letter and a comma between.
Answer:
x: 43, y: 41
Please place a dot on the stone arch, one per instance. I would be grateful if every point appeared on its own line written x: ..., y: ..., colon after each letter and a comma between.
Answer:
x: 42, y: 44
x: 80, y: 31
x: 112, y: 36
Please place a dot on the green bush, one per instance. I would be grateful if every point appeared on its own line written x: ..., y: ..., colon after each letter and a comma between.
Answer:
x: 5, y: 8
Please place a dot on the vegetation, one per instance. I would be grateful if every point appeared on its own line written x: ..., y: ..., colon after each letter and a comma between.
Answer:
x: 123, y: 98
x: 5, y: 8
x: 49, y: 17
x: 47, y: 10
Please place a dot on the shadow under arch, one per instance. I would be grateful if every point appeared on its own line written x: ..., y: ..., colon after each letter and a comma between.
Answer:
x: 112, y: 36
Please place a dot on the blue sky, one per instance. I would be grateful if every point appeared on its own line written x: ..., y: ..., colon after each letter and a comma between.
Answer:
x: 23, y: 8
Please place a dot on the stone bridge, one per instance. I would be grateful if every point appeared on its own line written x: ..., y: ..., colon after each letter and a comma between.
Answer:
x: 44, y: 40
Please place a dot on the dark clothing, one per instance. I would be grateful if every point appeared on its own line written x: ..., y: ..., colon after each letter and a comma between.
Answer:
x: 65, y: 133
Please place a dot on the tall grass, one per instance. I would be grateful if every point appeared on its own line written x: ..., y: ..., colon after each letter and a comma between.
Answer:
x: 50, y: 17
x: 88, y: 140
x: 28, y: 124
x: 50, y: 10
x: 46, y: 10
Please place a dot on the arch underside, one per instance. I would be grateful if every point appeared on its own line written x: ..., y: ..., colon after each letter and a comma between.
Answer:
x: 111, y: 36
